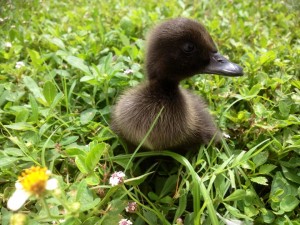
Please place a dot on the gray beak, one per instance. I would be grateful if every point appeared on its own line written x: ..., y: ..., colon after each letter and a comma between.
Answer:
x: 220, y: 65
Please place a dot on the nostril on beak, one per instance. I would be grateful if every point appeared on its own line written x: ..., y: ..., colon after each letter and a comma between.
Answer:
x: 219, y: 58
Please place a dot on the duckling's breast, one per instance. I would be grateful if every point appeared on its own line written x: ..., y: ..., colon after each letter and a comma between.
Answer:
x: 138, y: 108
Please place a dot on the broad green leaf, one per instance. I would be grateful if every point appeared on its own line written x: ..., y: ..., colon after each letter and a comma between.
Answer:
x: 56, y: 41
x: 49, y: 92
x: 238, y: 194
x: 260, y: 158
x: 34, y: 109
x: 13, y: 152
x: 267, y: 57
x: 251, y: 198
x: 289, y: 203
x: 44, y: 128
x: 151, y: 217
x: 266, y: 168
x: 35, y: 57
x: 284, y: 107
x: 94, y: 155
x: 69, y: 140
x: 123, y: 163
x: 243, y: 116
x: 35, y: 89
x: 80, y: 163
x: 281, y: 187
x: 89, y: 204
x: 111, y: 218
x: 6, y: 216
x: 92, y: 179
x: 6, y: 161
x: 87, y: 115
x: 114, y: 215
x: 291, y: 174
x: 235, y: 212
x: 152, y: 196
x: 75, y: 152
x: 260, y: 180
x: 22, y: 115
x: 124, y: 39
x: 296, y: 83
x: 85, y: 197
x: 251, y: 210
x: 3, y: 96
x: 268, y: 216
x: 20, y: 126
x: 81, y: 190
x: 19, y: 143
x: 255, y: 90
x: 90, y: 79
x: 77, y: 63
x: 260, y: 110
x: 166, y: 200
x: 169, y: 185
x: 57, y: 99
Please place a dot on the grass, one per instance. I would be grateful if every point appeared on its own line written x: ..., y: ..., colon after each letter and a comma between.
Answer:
x: 55, y: 113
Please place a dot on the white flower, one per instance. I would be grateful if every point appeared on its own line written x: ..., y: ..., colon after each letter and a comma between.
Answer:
x: 128, y: 71
x: 7, y: 45
x: 19, y: 64
x: 125, y: 222
x: 33, y: 181
x: 226, y: 135
x: 116, y: 178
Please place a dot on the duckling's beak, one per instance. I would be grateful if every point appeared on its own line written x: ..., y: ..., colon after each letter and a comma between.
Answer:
x: 220, y: 65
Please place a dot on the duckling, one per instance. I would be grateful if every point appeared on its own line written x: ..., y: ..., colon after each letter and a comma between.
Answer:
x: 176, y: 49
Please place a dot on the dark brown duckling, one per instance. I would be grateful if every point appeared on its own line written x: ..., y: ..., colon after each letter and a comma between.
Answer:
x: 177, y: 49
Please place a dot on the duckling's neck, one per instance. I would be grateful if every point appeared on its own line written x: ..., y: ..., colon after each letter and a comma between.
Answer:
x: 164, y: 87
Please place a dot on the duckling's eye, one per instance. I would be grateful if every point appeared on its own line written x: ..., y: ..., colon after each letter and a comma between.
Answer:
x: 188, y: 47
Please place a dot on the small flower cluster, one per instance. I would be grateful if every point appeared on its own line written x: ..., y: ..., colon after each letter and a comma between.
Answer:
x: 128, y: 71
x: 116, y: 178
x: 20, y: 65
x: 125, y: 222
x: 131, y: 207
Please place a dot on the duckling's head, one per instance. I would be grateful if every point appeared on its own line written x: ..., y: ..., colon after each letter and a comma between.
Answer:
x: 179, y: 48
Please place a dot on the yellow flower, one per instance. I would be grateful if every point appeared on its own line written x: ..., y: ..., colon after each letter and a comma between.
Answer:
x: 33, y: 181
